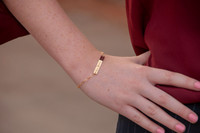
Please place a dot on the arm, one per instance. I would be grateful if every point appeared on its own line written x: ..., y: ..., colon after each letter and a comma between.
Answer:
x: 47, y: 22
x: 123, y: 83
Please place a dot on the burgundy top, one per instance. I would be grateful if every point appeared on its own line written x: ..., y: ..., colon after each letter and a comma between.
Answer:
x: 10, y: 28
x: 170, y: 29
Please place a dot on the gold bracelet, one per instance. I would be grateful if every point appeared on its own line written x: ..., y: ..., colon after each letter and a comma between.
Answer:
x: 96, y: 70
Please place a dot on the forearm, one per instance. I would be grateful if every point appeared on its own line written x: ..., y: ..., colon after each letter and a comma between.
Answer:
x: 50, y: 26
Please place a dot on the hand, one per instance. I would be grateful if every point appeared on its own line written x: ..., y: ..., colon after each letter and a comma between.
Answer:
x: 124, y: 85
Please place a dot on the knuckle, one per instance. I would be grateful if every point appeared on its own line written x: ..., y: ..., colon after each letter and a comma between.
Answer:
x: 151, y: 110
x: 121, y: 108
x: 171, y: 122
x: 162, y: 99
x: 139, y: 86
x: 142, y: 69
x: 187, y: 81
x: 136, y: 118
x: 183, y: 112
x: 152, y: 127
x: 169, y: 76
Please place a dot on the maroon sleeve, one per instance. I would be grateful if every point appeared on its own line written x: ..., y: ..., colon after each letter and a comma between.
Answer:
x: 10, y: 28
x: 137, y: 17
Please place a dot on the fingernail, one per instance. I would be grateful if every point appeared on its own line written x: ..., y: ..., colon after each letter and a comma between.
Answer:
x: 197, y: 84
x: 180, y: 127
x: 193, y: 117
x: 160, y: 130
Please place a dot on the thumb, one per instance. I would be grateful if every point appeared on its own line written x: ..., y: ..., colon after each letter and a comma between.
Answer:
x: 143, y: 58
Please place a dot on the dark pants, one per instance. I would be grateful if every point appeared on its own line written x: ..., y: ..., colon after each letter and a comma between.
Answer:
x: 124, y: 125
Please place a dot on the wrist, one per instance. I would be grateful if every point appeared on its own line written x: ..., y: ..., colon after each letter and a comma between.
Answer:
x: 83, y: 67
x: 96, y: 70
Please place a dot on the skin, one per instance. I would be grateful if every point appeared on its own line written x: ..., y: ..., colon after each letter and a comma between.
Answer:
x: 123, y: 84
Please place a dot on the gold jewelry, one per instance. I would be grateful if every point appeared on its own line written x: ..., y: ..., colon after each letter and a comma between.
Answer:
x: 96, y: 70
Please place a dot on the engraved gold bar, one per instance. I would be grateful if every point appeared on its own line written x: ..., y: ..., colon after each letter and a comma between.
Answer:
x: 96, y: 70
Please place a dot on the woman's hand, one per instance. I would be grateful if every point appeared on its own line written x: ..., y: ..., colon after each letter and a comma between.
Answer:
x: 124, y: 85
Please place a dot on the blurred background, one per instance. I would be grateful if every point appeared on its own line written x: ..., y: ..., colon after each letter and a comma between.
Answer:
x: 37, y: 96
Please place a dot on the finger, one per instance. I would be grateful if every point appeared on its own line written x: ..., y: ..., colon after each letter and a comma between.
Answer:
x: 143, y: 58
x: 136, y: 116
x: 165, y: 100
x: 156, y: 113
x: 160, y: 76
